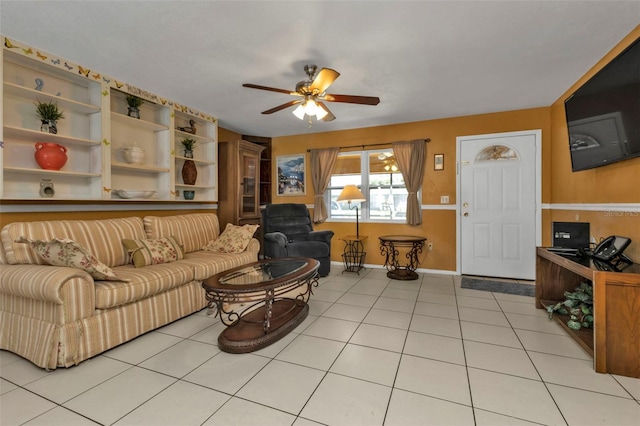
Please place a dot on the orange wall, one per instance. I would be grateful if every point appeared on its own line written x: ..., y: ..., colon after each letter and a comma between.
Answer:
x: 439, y: 226
x: 615, y: 183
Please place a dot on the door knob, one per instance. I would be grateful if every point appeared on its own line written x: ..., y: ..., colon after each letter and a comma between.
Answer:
x: 465, y: 214
x: 465, y: 205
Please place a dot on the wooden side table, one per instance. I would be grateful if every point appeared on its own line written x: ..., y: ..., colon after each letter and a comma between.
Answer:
x: 353, y: 255
x: 389, y: 248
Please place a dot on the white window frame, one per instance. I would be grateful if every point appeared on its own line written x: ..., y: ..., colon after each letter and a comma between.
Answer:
x: 363, y: 185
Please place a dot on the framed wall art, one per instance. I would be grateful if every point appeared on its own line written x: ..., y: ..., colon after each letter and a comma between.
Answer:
x: 291, y: 174
x: 438, y: 162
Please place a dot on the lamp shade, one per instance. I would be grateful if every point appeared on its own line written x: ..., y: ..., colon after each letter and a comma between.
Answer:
x: 351, y: 193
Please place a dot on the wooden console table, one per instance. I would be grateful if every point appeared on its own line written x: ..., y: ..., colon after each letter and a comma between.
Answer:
x: 614, y: 342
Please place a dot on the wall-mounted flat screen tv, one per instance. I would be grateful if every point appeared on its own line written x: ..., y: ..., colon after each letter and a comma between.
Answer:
x: 603, y: 115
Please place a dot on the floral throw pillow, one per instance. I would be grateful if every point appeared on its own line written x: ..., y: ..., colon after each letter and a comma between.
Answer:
x: 153, y: 251
x: 66, y: 252
x: 234, y: 239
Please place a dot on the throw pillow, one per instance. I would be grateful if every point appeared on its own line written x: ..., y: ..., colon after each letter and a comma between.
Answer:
x: 153, y: 251
x: 66, y: 252
x: 234, y: 239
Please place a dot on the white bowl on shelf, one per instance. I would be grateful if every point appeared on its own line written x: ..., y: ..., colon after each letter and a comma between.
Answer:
x: 133, y: 193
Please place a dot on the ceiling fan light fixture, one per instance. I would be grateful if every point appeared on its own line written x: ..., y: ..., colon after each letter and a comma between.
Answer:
x: 321, y: 113
x: 310, y: 108
x: 299, y: 112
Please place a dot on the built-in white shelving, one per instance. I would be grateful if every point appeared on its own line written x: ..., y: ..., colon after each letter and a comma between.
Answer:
x: 94, y: 132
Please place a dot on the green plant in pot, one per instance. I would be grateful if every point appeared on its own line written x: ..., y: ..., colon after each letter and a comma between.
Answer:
x: 49, y: 114
x: 188, y: 145
x: 578, y: 305
x: 133, y: 106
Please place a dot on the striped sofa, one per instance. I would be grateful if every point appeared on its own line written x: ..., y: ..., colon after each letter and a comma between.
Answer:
x: 59, y: 316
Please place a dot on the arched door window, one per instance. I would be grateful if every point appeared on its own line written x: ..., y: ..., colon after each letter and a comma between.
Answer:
x: 497, y: 152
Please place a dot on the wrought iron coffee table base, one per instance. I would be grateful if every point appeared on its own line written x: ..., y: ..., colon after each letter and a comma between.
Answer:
x: 247, y: 333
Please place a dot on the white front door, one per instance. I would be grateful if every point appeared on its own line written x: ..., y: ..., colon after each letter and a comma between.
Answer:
x: 499, y: 216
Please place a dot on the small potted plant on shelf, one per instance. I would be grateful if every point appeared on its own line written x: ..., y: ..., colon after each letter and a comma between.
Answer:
x: 188, y: 145
x: 49, y: 114
x: 133, y: 106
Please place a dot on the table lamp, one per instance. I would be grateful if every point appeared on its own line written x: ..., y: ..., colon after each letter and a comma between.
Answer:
x: 350, y: 194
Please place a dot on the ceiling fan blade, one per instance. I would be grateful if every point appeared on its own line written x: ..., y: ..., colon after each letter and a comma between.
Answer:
x: 271, y: 89
x: 281, y: 107
x: 323, y: 80
x: 329, y: 116
x: 351, y: 99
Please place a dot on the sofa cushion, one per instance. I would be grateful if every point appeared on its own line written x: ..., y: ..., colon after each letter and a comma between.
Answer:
x: 207, y: 263
x: 234, y: 239
x: 153, y: 251
x: 66, y: 252
x: 142, y: 283
x: 103, y: 238
x: 193, y: 231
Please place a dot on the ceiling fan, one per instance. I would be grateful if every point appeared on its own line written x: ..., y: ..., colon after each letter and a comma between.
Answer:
x: 312, y: 92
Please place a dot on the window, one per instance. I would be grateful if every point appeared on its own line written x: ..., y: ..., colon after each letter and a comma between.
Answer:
x: 376, y: 174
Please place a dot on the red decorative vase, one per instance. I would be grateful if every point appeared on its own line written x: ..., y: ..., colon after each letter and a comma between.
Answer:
x: 50, y: 156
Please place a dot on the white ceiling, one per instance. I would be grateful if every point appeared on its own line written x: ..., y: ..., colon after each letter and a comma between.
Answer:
x: 424, y: 59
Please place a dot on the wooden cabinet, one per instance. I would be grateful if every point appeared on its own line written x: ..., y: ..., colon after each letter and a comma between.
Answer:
x: 239, y: 177
x: 265, y: 167
x: 614, y: 342
x: 95, y: 131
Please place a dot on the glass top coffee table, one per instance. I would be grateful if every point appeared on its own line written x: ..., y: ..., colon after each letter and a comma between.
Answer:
x: 261, y: 302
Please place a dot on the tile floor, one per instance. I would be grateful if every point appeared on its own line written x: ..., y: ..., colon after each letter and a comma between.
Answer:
x: 372, y: 352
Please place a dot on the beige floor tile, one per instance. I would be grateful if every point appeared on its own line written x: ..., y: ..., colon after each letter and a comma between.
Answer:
x: 514, y: 397
x: 407, y: 408
x: 434, y: 378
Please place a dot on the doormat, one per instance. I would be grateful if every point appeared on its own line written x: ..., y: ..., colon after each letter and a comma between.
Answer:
x: 498, y: 286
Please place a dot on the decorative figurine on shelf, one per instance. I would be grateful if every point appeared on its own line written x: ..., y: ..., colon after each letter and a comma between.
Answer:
x: 190, y: 129
x: 189, y: 169
x: 46, y: 188
x: 133, y: 106
x: 49, y: 115
x: 133, y: 154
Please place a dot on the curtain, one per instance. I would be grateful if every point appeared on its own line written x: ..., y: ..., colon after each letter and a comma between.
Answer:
x: 411, y: 158
x: 322, y: 162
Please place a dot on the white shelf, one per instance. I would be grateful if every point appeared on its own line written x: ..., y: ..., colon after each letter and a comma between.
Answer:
x: 50, y: 172
x: 36, y: 95
x: 187, y: 187
x: 140, y: 168
x: 95, y: 129
x: 137, y: 122
x: 202, y: 139
x: 195, y: 160
x: 38, y: 136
